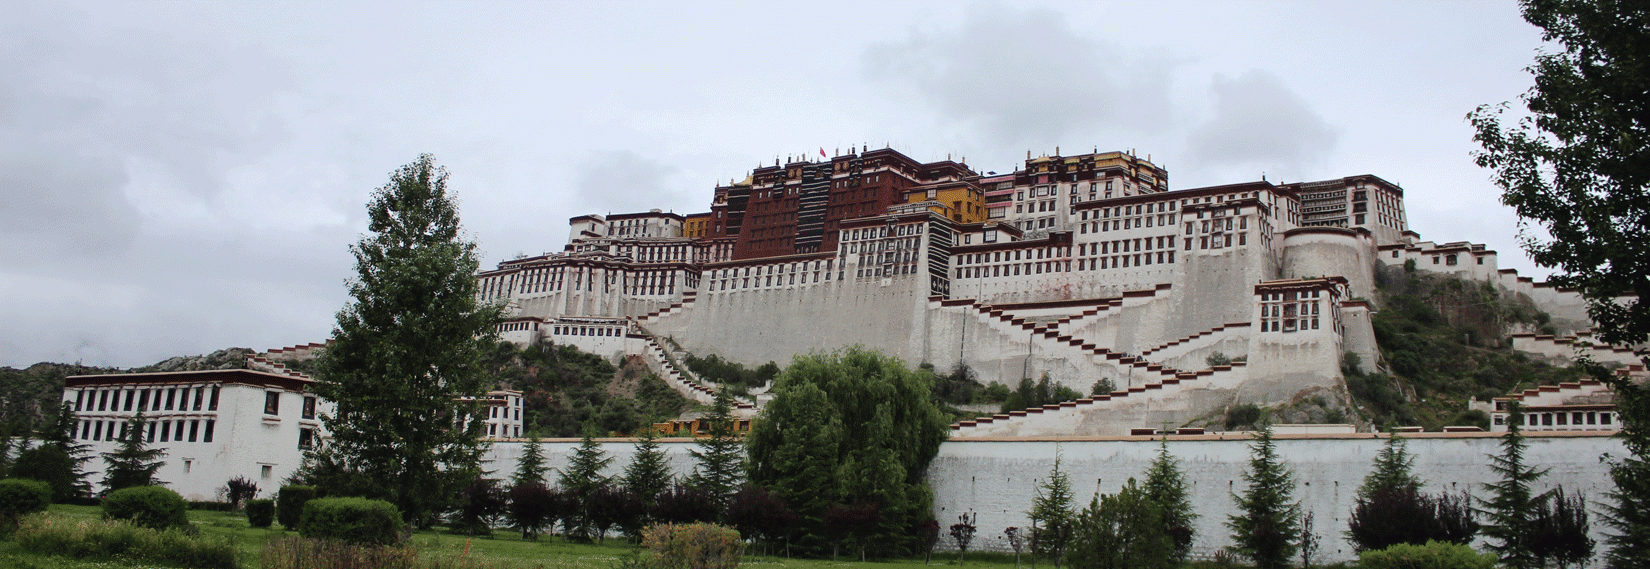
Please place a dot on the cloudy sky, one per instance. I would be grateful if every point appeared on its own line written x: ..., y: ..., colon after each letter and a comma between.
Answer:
x: 177, y: 178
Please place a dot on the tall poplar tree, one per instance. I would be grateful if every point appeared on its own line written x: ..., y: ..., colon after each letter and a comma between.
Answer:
x: 1266, y: 528
x: 408, y: 347
x: 1579, y: 166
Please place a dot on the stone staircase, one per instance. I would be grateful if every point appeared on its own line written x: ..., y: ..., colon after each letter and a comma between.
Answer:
x: 680, y: 379
x: 687, y: 302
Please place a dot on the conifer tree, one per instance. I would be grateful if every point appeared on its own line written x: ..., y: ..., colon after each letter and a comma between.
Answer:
x: 133, y: 463
x: 721, y: 456
x: 59, y: 459
x: 1510, y: 510
x: 405, y: 363
x: 580, y: 481
x: 1394, y: 469
x: 1267, y: 525
x: 530, y: 468
x: 1166, y: 487
x: 1051, y: 515
x: 648, y: 473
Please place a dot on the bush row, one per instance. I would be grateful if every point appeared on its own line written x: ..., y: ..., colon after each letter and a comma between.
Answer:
x: 107, y: 539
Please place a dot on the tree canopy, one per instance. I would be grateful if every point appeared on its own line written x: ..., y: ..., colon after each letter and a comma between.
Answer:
x: 1578, y: 165
x: 408, y: 346
x: 853, y: 426
x: 134, y: 462
x: 1267, y: 525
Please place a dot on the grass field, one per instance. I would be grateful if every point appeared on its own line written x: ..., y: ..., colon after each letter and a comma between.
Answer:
x: 503, y: 550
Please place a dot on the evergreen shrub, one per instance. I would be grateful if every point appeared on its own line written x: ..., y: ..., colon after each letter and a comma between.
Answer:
x: 111, y: 539
x: 355, y: 520
x: 1433, y: 555
x: 289, y: 508
x: 260, y: 513
x: 692, y: 546
x: 152, y: 507
x: 18, y: 497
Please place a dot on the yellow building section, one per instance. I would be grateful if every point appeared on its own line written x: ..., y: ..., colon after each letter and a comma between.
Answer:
x: 697, y: 427
x: 962, y: 201
x: 696, y: 225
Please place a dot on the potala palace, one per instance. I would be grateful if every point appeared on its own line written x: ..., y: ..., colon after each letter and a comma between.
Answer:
x: 1078, y: 267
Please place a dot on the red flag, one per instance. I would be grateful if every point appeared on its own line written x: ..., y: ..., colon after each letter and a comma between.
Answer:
x: 822, y: 152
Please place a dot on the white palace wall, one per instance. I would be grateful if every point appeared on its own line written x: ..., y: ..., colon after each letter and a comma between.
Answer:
x: 997, y: 478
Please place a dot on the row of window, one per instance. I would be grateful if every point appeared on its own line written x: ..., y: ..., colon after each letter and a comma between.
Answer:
x: 1561, y: 419
x: 147, y: 399
x: 587, y: 331
x: 163, y: 431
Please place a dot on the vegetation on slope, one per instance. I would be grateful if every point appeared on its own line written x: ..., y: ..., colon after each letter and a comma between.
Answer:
x: 565, y: 391
x: 1444, y: 341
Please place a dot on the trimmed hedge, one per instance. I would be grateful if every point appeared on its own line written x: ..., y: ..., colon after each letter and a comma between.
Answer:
x: 147, y: 506
x: 211, y: 506
x: 260, y: 513
x: 1433, y: 555
x: 107, y: 539
x: 18, y: 497
x: 355, y: 520
x: 289, y: 507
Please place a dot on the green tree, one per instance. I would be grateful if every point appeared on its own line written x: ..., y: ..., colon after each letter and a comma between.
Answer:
x: 721, y: 456
x: 1393, y: 469
x: 853, y: 426
x: 59, y: 460
x: 1267, y: 525
x: 1166, y: 487
x: 409, y: 347
x: 648, y: 473
x: 530, y: 468
x: 1051, y: 515
x: 1579, y: 166
x: 1511, y: 508
x: 133, y: 463
x: 1121, y: 531
x: 581, y: 480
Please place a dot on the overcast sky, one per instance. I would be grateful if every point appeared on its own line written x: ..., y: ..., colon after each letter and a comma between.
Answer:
x: 177, y: 178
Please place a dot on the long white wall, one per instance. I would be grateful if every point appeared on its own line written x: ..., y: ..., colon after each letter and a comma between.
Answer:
x: 997, y: 479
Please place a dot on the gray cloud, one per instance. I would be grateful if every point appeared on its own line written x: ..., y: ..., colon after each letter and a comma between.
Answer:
x: 1260, y: 123
x: 622, y: 181
x: 1026, y: 77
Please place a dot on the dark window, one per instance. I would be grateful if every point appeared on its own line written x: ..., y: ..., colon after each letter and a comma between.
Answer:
x: 178, y: 436
x: 129, y: 398
x: 143, y: 400
x: 165, y: 431
x: 79, y: 399
x: 272, y: 403
x: 103, y: 400
x: 306, y: 439
x: 171, y: 397
x: 151, y: 432
x: 213, y: 404
x: 194, y: 429
x: 206, y: 437
x: 199, y: 391
x: 97, y: 431
x: 309, y: 407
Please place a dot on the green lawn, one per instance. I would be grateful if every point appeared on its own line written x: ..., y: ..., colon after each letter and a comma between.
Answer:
x: 504, y: 549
